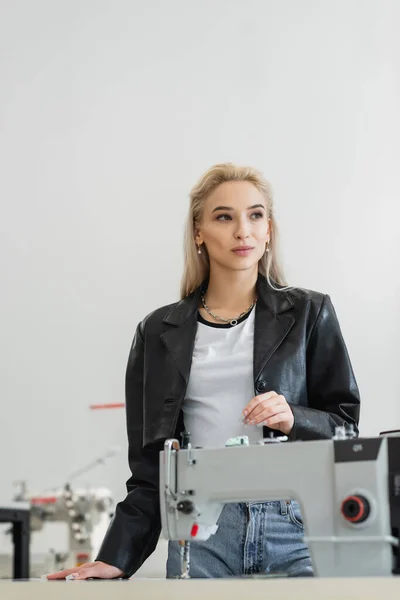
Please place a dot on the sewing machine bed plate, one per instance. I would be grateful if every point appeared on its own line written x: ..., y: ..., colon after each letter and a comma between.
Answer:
x: 233, y: 589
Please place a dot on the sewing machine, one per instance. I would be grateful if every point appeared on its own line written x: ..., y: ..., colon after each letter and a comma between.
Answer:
x: 348, y: 490
x: 86, y: 511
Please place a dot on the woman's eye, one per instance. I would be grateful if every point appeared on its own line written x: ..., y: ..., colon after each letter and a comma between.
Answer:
x: 254, y: 216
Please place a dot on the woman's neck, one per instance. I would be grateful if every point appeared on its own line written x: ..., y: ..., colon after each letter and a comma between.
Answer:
x: 231, y: 291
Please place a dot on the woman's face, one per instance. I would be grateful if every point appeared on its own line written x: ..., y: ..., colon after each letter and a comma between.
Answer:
x: 234, y: 225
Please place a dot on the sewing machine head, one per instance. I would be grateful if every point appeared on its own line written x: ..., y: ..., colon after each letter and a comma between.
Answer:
x: 348, y: 490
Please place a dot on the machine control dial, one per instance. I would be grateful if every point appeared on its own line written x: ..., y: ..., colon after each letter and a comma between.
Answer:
x: 355, y: 508
x: 185, y: 506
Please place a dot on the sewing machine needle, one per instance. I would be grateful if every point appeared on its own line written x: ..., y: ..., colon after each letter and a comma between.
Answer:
x: 185, y: 559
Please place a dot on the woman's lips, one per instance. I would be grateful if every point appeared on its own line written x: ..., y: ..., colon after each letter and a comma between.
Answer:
x: 243, y: 251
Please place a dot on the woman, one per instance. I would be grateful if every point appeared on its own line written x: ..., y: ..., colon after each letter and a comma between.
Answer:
x: 241, y: 353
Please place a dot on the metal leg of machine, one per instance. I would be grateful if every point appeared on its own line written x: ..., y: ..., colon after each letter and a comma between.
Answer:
x: 21, y: 538
x: 20, y: 519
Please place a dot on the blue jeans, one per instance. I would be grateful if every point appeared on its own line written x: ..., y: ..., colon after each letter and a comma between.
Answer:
x: 252, y: 537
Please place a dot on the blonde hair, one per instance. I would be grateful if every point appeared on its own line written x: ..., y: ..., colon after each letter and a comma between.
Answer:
x: 197, y: 266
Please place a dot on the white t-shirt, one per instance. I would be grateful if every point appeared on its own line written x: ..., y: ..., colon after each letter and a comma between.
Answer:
x: 220, y: 384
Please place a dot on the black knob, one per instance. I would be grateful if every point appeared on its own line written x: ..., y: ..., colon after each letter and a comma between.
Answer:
x: 356, y: 508
x: 185, y: 506
x: 79, y: 518
x: 261, y: 385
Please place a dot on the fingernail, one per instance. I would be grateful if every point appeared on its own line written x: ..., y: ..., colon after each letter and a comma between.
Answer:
x: 72, y: 576
x: 44, y: 577
x: 245, y: 413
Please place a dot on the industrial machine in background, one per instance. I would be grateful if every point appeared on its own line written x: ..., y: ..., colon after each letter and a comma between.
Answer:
x: 85, y: 510
x: 87, y: 513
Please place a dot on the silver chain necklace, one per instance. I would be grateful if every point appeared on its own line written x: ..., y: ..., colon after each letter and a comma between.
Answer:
x: 234, y: 321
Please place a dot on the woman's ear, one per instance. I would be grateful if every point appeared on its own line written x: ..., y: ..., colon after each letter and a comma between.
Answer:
x: 198, y: 238
x: 269, y: 230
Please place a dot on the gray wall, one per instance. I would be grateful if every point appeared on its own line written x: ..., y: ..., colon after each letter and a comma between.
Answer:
x: 109, y: 112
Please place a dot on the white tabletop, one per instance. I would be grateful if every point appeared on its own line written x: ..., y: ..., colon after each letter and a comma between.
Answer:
x: 209, y: 589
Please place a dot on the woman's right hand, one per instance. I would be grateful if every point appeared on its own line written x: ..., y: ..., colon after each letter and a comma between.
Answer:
x: 97, y: 569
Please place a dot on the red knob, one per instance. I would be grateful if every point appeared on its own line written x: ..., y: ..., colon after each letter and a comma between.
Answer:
x: 355, y: 508
x: 194, y: 530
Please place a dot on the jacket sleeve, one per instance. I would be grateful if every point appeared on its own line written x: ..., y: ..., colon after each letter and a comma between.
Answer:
x: 333, y: 396
x: 135, y: 528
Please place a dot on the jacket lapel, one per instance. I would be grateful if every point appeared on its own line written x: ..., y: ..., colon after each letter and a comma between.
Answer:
x: 273, y: 321
x: 179, y: 339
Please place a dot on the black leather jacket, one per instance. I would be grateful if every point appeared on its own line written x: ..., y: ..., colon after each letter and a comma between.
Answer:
x: 298, y: 352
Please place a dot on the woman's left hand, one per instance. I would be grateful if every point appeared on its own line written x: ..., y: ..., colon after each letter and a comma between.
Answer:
x: 270, y: 409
